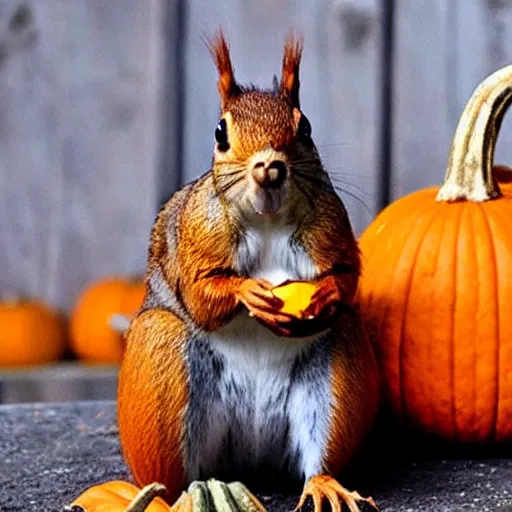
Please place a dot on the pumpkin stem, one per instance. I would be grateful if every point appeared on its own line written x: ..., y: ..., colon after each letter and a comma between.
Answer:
x: 469, y: 174
x: 145, y: 496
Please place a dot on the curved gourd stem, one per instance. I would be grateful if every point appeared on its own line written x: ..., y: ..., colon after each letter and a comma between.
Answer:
x: 469, y: 174
x: 216, y: 496
x: 145, y: 497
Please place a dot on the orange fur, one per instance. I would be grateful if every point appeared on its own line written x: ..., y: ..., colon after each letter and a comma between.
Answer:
x: 329, y: 240
x: 191, y: 271
x: 228, y: 88
x: 289, y: 87
x: 199, y: 273
x: 152, y: 399
x: 250, y: 131
x: 354, y: 405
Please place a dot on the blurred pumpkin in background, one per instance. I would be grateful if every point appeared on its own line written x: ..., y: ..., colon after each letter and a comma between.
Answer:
x: 436, y: 286
x: 31, y: 333
x: 101, y: 314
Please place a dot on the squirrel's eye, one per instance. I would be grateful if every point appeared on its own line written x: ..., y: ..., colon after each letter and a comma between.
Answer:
x: 304, y: 128
x: 221, y: 135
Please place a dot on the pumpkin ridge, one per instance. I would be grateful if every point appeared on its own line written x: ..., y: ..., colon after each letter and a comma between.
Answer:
x: 477, y: 362
x: 492, y: 246
x: 379, y: 318
x: 405, y: 305
x: 111, y: 493
x: 502, y: 223
x: 433, y: 412
x: 420, y: 211
x: 478, y: 305
x: 456, y: 257
x: 411, y: 227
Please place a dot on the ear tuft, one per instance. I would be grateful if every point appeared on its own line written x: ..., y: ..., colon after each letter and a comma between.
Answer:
x: 289, y: 87
x: 228, y: 88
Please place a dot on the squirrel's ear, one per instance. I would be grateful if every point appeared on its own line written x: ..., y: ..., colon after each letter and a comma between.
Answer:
x: 228, y: 88
x: 289, y: 87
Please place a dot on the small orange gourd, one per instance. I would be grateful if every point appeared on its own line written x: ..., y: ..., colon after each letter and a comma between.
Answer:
x: 31, y: 333
x: 296, y: 296
x: 120, y: 496
x: 436, y: 287
x: 93, y: 337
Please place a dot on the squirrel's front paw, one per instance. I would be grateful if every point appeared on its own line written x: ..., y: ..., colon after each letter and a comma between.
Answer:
x: 326, y: 302
x: 256, y: 295
x: 264, y: 306
x: 280, y: 323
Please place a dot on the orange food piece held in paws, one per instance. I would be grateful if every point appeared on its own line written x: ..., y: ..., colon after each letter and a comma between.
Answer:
x: 296, y: 296
x: 92, y: 337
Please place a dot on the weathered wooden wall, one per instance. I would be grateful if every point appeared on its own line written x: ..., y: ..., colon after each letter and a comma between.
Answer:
x: 80, y: 84
x: 106, y: 106
x: 442, y: 50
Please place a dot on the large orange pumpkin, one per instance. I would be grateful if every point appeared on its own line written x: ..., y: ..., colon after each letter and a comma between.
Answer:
x: 93, y: 338
x: 436, y: 289
x: 31, y: 333
x: 120, y: 496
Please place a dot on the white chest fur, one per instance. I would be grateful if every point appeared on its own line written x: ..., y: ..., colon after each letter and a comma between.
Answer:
x: 266, y: 252
x: 269, y: 252
x: 259, y: 365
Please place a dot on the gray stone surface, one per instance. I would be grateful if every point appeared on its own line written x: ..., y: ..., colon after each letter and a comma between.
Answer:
x: 51, y: 452
x: 64, y: 381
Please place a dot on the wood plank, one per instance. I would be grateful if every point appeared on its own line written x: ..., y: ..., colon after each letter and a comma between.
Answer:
x: 29, y: 167
x: 443, y: 50
x: 79, y: 128
x: 483, y: 45
x: 340, y: 81
x: 422, y: 89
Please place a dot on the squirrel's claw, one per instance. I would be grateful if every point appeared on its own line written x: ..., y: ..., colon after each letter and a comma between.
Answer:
x: 325, y: 302
x: 280, y: 323
x: 256, y: 294
x: 216, y: 496
x: 322, y: 488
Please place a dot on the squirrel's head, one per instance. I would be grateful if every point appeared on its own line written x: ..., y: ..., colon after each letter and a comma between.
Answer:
x: 264, y: 158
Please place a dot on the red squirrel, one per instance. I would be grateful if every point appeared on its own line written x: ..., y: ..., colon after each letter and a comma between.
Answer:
x: 216, y: 380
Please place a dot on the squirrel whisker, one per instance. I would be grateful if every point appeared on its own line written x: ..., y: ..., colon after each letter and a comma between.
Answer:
x: 305, y: 193
x: 232, y: 173
x: 353, y: 195
x: 224, y: 188
x: 345, y: 183
x: 335, y: 180
x: 322, y: 180
x: 340, y: 188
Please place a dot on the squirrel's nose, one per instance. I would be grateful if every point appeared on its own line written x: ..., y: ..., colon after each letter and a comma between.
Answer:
x: 271, y: 175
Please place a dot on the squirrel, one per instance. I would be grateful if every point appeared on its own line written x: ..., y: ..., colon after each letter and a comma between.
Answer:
x: 216, y: 381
